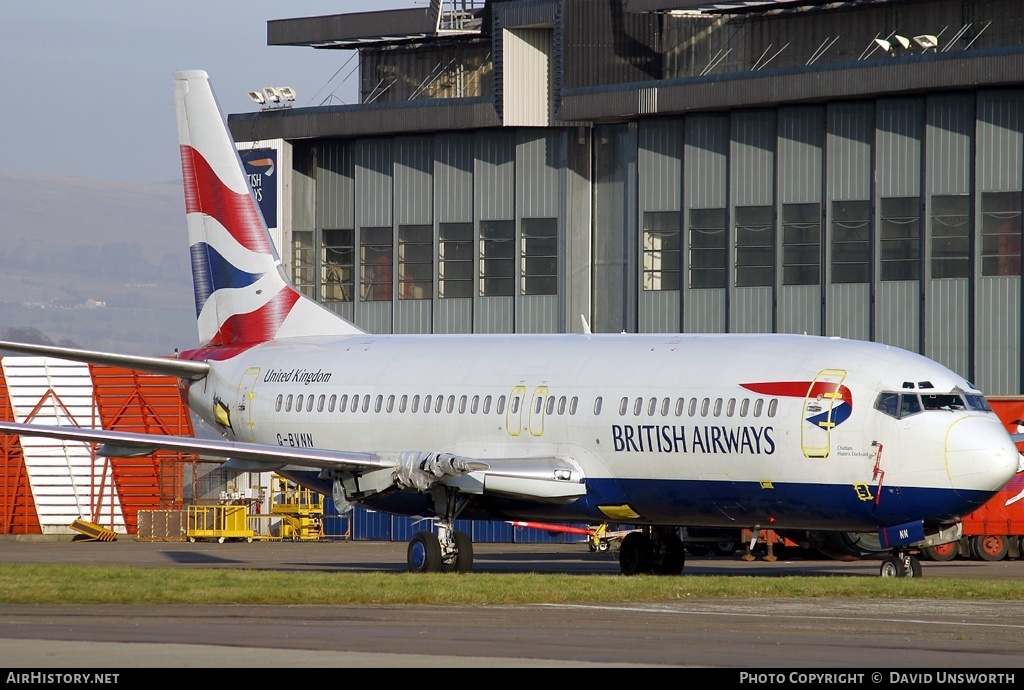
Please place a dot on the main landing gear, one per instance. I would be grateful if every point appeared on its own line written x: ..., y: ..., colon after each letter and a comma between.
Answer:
x: 432, y: 553
x: 901, y: 564
x: 448, y: 551
x: 652, y: 551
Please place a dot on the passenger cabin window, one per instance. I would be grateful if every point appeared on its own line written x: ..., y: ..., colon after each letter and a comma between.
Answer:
x: 500, y: 408
x: 487, y: 404
x: 575, y: 400
x: 597, y: 405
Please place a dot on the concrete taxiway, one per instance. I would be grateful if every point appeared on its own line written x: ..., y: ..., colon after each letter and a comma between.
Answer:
x: 748, y: 633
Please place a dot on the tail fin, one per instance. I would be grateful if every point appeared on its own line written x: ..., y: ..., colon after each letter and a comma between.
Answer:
x: 243, y: 295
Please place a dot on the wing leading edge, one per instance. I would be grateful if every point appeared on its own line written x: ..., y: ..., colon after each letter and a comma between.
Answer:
x: 548, y: 479
x: 167, y: 366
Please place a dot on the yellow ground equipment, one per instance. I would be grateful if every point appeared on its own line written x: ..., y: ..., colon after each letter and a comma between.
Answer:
x: 218, y: 522
x: 301, y: 511
x: 93, y: 532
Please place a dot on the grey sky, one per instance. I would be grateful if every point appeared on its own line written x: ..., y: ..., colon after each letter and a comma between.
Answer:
x: 89, y: 93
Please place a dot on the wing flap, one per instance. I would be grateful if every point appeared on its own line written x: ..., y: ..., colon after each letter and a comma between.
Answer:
x: 551, y: 479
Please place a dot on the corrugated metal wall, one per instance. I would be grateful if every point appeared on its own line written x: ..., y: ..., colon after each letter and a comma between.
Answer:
x: 752, y: 175
x: 947, y: 300
x: 705, y: 186
x: 997, y: 324
x: 598, y: 183
x: 453, y: 203
x: 660, y: 171
x: 849, y: 171
x: 801, y: 147
x: 900, y: 124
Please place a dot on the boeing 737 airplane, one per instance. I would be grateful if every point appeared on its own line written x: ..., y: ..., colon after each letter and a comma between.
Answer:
x: 792, y: 433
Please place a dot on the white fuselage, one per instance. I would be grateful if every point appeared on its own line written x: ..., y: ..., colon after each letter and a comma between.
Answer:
x: 639, y: 410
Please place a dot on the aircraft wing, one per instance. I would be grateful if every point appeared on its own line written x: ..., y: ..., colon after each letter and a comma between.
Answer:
x: 548, y: 479
x: 125, y: 444
x: 167, y: 366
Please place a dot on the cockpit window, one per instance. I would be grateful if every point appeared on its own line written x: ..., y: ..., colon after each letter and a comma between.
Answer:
x: 888, y: 403
x: 909, y: 404
x: 900, y: 405
x: 942, y: 402
x: 977, y: 402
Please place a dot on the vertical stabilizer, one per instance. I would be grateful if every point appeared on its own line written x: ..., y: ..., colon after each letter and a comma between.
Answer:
x: 243, y: 295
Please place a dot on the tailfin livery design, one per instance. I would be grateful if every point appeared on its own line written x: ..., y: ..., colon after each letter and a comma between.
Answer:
x: 242, y: 293
x: 657, y: 432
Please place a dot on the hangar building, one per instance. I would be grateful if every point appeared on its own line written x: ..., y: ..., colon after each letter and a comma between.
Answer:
x: 846, y: 169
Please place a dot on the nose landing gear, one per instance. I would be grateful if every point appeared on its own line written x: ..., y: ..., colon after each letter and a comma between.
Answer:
x: 900, y: 564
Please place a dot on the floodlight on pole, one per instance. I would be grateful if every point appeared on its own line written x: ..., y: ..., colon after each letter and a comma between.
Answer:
x: 272, y: 94
x: 287, y: 93
x: 884, y: 44
x: 926, y: 41
x: 905, y: 42
x: 257, y: 97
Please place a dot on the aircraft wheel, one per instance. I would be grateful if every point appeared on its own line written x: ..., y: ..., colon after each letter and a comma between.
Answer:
x: 424, y: 553
x: 220, y: 540
x: 893, y: 567
x: 463, y: 560
x: 191, y: 540
x: 915, y: 567
x: 942, y: 552
x: 724, y: 548
x: 990, y: 547
x: 672, y: 560
x: 602, y: 546
x: 636, y: 555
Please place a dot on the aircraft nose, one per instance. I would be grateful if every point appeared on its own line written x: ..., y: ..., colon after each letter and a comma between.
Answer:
x: 980, y: 455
